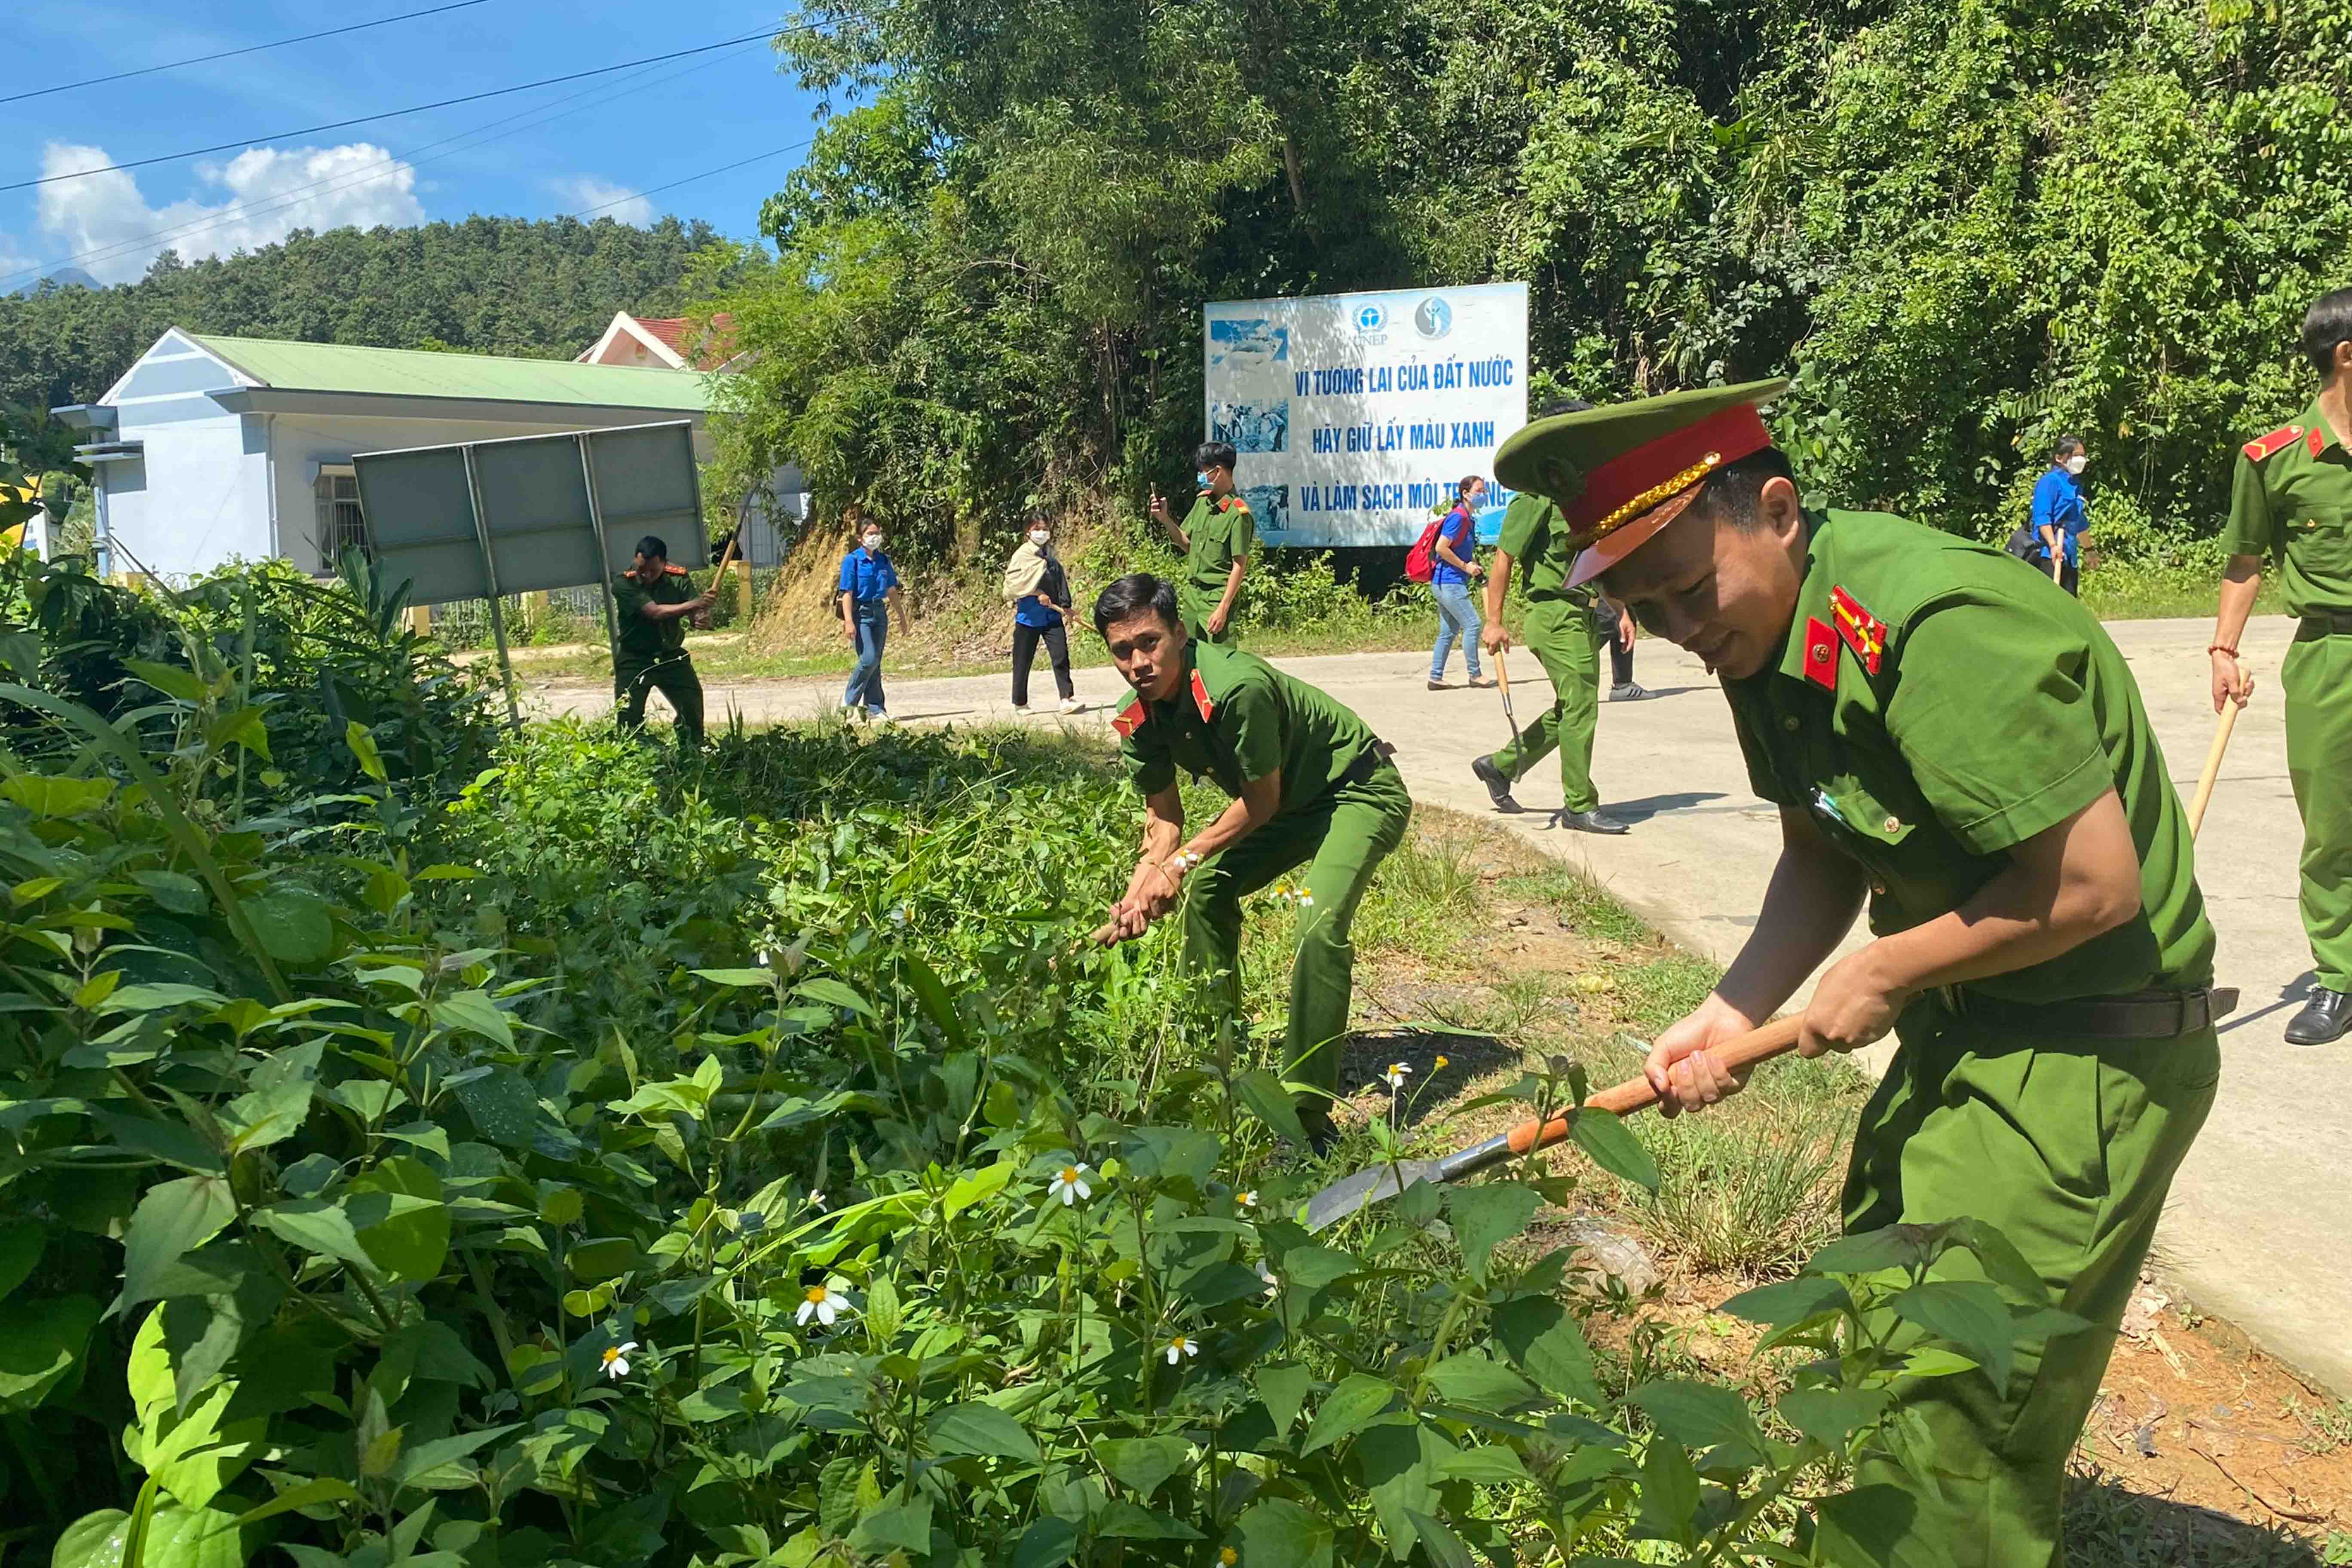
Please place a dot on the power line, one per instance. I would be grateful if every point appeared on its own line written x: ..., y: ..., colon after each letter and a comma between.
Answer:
x: 724, y: 168
x: 248, y: 50
x: 366, y: 173
x: 418, y: 108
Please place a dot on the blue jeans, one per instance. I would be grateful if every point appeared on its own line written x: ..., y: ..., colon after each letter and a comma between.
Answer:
x: 864, y: 689
x: 1457, y: 615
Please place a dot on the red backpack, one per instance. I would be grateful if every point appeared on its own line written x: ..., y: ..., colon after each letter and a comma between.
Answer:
x: 1421, y: 560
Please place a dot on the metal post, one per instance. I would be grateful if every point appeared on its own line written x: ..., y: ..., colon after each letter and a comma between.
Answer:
x: 490, y: 571
x: 603, y: 554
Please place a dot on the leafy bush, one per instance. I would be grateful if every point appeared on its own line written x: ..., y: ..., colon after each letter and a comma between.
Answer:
x: 741, y: 1162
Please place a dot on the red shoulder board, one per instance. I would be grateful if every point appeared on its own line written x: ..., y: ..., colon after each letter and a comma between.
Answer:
x: 1201, y: 698
x: 2316, y: 439
x: 1821, y: 654
x: 1863, y: 632
x: 674, y: 570
x: 2276, y: 441
x: 1130, y: 719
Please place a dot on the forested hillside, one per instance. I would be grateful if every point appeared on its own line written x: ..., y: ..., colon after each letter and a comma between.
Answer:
x: 493, y: 285
x: 1974, y: 222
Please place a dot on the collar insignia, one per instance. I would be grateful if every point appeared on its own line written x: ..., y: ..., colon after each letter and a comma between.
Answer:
x: 1862, y: 632
x: 1821, y: 654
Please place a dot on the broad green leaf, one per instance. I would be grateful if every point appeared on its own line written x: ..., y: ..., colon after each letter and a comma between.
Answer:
x: 980, y: 1429
x: 1347, y: 1410
x: 1491, y: 1464
x: 1311, y: 1267
x: 1613, y: 1147
x: 756, y: 979
x: 172, y: 1219
x: 363, y: 747
x: 1790, y: 1302
x: 1669, y: 1491
x: 2000, y: 1260
x: 1485, y: 1215
x: 1470, y: 1379
x: 1173, y: 1154
x: 21, y: 1242
x: 476, y: 1014
x: 1866, y: 1527
x: 975, y: 1186
x: 1399, y: 1458
x: 41, y: 1346
x: 1893, y: 1247
x: 93, y: 1540
x: 192, y: 1453
x: 1048, y: 1543
x: 1544, y: 1341
x: 1143, y: 1464
x: 303, y: 1494
x: 401, y: 1222
x: 1263, y: 1093
x: 931, y: 996
x: 1934, y: 1361
x: 189, y: 1537
x: 1284, y: 1389
x: 903, y: 1527
x: 239, y: 727
x: 1969, y: 1313
x: 1123, y: 1520
x: 1280, y: 1531
x: 1830, y: 1416
x: 168, y: 678
x: 1703, y: 1415
x: 293, y: 927
x: 261, y: 1116
x: 1445, y: 1548
x: 438, y: 1466
x: 833, y: 993
x: 45, y: 795
x: 317, y: 1226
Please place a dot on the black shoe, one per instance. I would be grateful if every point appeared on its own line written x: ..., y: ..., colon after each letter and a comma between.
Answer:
x: 2324, y: 1018
x: 1628, y: 692
x: 1498, y: 788
x: 1594, y: 821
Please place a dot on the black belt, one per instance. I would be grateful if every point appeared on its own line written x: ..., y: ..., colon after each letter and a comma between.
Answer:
x: 2135, y: 1015
x: 2325, y: 624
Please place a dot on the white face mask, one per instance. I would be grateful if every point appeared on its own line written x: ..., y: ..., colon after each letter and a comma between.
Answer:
x: 1039, y: 537
x: 872, y: 542
x: 2077, y: 463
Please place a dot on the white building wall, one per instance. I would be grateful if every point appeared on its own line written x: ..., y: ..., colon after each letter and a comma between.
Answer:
x: 198, y: 500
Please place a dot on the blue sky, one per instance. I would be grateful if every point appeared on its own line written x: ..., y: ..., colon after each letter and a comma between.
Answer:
x: 533, y: 154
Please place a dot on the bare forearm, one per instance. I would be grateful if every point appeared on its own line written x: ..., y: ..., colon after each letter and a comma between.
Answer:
x: 1161, y: 835
x: 1254, y: 809
x: 1809, y: 906
x: 2242, y: 583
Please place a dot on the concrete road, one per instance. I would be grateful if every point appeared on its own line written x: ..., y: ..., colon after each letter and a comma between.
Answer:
x: 2251, y: 1233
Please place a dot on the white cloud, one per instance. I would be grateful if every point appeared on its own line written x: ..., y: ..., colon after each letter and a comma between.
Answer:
x: 266, y: 193
x: 584, y: 192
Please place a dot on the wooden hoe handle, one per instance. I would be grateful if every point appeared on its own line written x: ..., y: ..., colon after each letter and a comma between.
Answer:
x: 1776, y: 1039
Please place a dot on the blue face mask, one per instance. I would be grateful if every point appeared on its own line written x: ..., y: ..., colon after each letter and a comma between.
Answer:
x: 1200, y: 477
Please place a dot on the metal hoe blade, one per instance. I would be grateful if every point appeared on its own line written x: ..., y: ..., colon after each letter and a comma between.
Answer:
x: 1380, y: 1183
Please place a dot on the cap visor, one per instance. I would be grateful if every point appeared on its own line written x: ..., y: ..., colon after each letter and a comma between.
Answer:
x: 1606, y: 552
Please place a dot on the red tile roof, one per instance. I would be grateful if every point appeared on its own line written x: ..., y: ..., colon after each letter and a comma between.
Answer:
x: 673, y: 331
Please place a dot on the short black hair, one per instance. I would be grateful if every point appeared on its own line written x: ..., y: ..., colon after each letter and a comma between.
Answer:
x: 652, y: 546
x: 1131, y: 596
x: 2325, y: 324
x: 2067, y: 446
x: 1730, y: 493
x: 1555, y: 407
x: 1214, y: 455
x: 1036, y: 515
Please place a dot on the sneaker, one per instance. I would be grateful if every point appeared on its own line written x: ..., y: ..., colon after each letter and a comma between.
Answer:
x: 1498, y: 788
x: 1072, y: 705
x: 1628, y: 692
x: 1022, y: 709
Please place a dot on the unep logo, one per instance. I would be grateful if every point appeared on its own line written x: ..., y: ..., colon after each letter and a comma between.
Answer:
x: 1435, y: 319
x: 1371, y: 317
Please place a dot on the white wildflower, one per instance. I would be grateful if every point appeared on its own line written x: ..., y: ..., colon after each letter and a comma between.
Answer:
x: 1069, y: 1184
x: 1396, y: 1076
x: 616, y: 1364
x: 823, y: 1303
x: 1179, y: 1347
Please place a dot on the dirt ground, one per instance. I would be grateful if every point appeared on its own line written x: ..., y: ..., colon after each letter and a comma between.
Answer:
x: 2200, y: 1448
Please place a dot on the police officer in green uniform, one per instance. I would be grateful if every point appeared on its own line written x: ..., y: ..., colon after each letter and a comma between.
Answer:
x: 1567, y: 637
x: 651, y: 602
x: 1217, y: 536
x: 1311, y: 786
x: 2293, y: 500
x: 1952, y: 738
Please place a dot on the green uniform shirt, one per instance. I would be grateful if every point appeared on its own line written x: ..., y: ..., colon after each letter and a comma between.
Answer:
x: 1235, y: 719
x: 1997, y: 708
x: 1218, y: 531
x: 2291, y: 500
x: 645, y: 640
x: 1535, y: 536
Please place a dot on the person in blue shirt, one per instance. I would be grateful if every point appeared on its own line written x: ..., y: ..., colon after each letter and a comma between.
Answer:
x: 2060, y: 517
x: 1039, y: 590
x: 869, y: 588
x: 1453, y: 566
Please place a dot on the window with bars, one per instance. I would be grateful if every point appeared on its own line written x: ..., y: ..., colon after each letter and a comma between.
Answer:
x: 340, y: 525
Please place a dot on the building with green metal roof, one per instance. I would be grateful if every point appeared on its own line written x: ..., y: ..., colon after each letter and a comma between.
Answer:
x: 215, y: 448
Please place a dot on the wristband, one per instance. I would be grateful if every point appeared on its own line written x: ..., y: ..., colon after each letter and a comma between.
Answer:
x: 2222, y: 648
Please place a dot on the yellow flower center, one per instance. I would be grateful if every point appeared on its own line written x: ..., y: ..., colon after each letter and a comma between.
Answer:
x: 1070, y: 1175
x: 1443, y: 1061
x: 817, y: 1293
x: 612, y: 1354
x: 1177, y: 1344
x: 1228, y: 1556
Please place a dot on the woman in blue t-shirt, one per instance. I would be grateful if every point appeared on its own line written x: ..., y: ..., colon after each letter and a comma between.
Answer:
x: 1039, y: 592
x: 2060, y: 517
x: 869, y: 587
x: 1454, y: 567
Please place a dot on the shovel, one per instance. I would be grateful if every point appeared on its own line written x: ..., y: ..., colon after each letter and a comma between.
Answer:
x: 1503, y: 685
x: 2206, y: 780
x: 1380, y: 1183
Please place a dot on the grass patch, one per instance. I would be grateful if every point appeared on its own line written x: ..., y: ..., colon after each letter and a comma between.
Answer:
x: 1580, y: 904
x: 2107, y: 1526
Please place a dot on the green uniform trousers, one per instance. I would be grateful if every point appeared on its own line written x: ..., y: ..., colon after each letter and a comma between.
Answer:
x: 2317, y: 679
x: 1341, y: 839
x: 1568, y: 646
x: 2066, y: 1144
x: 1196, y: 608
x: 674, y: 678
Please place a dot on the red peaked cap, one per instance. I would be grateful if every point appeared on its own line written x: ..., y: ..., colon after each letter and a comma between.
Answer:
x: 1621, y: 474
